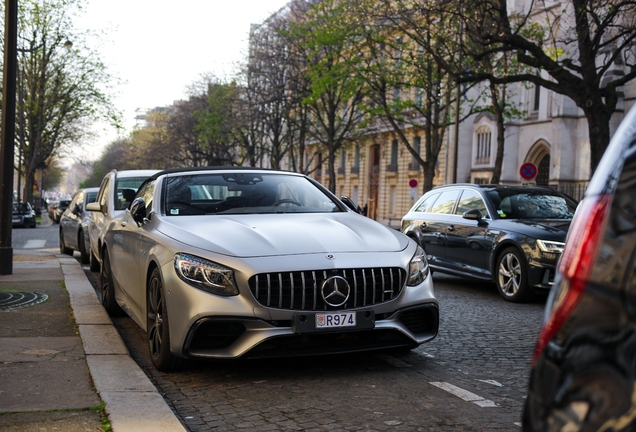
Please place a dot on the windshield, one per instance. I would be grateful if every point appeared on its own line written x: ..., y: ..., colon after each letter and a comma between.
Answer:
x: 21, y: 208
x: 244, y: 193
x: 531, y: 204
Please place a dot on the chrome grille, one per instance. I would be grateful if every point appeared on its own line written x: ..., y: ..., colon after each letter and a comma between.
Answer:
x: 301, y: 290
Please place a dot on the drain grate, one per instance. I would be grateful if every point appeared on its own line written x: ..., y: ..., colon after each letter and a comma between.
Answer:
x: 20, y: 299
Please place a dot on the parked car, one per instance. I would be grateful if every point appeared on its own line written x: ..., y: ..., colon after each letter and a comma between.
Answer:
x: 74, y: 224
x: 23, y: 215
x: 59, y: 209
x: 510, y: 235
x: 227, y: 263
x: 583, y: 376
x: 116, y: 192
x: 50, y: 208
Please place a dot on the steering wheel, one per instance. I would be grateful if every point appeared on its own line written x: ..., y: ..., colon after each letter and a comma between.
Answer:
x: 287, y: 201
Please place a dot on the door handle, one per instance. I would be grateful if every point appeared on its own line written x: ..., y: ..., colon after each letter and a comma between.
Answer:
x: 123, y: 224
x: 451, y: 227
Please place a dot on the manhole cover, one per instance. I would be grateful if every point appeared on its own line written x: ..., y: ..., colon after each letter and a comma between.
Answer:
x: 15, y: 300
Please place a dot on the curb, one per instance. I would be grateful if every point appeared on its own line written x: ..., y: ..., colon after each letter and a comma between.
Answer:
x: 132, y: 401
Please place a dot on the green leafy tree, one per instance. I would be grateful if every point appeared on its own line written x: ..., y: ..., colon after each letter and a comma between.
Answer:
x: 61, y: 87
x: 336, y: 91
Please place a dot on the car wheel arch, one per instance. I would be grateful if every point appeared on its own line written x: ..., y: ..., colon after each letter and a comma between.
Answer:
x: 499, y: 249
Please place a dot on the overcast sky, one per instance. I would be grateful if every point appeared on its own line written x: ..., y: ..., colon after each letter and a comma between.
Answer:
x: 160, y: 47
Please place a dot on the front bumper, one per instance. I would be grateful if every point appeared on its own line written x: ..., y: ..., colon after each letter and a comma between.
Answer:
x: 224, y: 337
x: 204, y: 325
x: 22, y: 221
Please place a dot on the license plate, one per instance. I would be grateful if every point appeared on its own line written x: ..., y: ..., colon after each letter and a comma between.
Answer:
x: 335, y: 320
x: 16, y: 220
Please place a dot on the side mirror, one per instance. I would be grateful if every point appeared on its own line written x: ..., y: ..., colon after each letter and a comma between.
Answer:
x: 76, y: 209
x: 349, y: 203
x: 138, y: 210
x: 93, y: 207
x: 473, y: 214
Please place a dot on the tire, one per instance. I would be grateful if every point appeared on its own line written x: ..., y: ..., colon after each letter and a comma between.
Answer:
x: 63, y: 249
x: 93, y: 264
x: 511, y: 275
x: 158, y: 327
x: 108, y: 288
x: 85, y: 259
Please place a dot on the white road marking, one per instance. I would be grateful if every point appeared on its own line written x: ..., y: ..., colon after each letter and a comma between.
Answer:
x: 393, y: 361
x: 518, y: 424
x: 464, y: 394
x: 493, y: 382
x: 34, y: 244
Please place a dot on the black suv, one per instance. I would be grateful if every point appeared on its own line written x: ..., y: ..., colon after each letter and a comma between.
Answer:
x: 511, y: 235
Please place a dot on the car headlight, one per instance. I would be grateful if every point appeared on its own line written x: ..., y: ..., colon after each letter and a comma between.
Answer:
x: 205, y: 275
x: 418, y: 268
x: 550, y: 246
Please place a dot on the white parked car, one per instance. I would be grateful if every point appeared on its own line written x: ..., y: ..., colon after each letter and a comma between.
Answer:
x: 227, y: 263
x: 116, y: 192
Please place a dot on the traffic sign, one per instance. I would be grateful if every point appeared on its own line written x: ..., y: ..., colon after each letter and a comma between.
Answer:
x: 413, y: 183
x: 528, y: 171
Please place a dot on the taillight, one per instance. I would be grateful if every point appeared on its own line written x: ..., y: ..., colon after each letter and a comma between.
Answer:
x: 576, y: 263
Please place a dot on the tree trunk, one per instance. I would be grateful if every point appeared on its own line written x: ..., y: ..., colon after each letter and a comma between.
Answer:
x: 331, y: 161
x: 598, y: 123
x: 497, y: 107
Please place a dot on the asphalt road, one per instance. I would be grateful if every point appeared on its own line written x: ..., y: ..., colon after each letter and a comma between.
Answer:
x: 472, y: 377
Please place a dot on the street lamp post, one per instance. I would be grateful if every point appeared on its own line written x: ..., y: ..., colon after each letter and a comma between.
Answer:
x: 7, y: 143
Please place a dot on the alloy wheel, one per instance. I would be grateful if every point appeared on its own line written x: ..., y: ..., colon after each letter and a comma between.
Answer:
x: 509, y: 274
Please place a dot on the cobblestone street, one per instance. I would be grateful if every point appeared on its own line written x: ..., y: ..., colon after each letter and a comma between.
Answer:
x: 483, y: 354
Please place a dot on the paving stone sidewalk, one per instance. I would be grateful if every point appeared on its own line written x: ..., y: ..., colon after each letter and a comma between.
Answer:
x: 61, y: 359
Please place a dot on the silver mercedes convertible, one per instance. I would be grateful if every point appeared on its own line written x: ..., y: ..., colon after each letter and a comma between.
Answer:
x: 226, y: 263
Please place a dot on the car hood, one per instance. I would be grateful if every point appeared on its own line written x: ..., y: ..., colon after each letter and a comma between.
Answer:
x: 282, y: 234
x: 551, y: 229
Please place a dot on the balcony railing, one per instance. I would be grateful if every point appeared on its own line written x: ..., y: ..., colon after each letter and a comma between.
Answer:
x: 392, y: 168
x: 414, y: 166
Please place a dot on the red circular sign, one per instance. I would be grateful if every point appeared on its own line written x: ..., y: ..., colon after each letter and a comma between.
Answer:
x: 528, y: 171
x: 413, y: 183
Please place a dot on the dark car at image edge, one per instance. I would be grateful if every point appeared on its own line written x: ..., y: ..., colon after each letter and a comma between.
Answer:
x: 510, y: 235
x: 584, y: 373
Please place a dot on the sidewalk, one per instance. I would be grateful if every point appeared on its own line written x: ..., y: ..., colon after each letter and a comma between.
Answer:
x: 61, y: 356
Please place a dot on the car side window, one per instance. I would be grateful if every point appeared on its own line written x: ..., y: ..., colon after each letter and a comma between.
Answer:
x: 445, y: 202
x: 471, y: 200
x: 425, y: 206
x: 104, y: 190
x: 77, y: 200
x: 146, y: 192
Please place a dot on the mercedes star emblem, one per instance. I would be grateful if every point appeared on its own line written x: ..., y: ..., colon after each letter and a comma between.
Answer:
x: 335, y: 291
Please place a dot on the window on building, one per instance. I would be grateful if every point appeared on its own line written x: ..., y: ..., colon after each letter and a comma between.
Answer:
x: 484, y: 138
x: 355, y: 194
x: 355, y: 169
x: 392, y: 167
x: 419, y: 97
x: 415, y: 165
x: 537, y: 98
x: 392, y: 199
x: 396, y: 94
x: 343, y: 161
